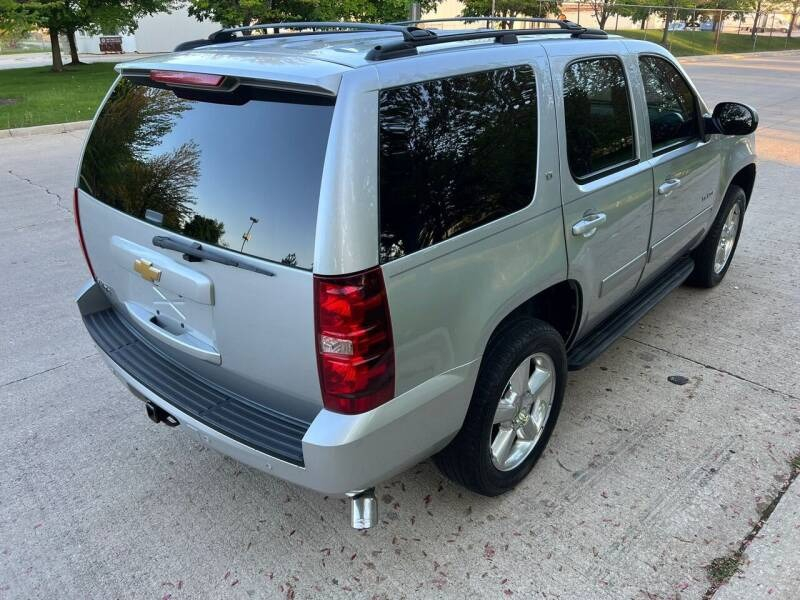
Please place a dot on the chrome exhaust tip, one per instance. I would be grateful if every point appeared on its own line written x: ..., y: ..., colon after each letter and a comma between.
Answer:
x: 363, y: 509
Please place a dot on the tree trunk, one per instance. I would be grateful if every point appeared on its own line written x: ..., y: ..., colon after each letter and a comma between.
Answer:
x: 602, y: 17
x: 55, y: 49
x: 73, y: 48
x: 792, y: 22
x: 667, y: 22
x: 754, y: 31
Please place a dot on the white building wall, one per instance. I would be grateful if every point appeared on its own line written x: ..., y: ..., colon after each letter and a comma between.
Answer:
x: 163, y: 31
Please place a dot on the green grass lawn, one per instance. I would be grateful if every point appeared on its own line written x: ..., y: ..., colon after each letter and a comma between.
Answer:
x: 37, y: 96
x: 688, y: 43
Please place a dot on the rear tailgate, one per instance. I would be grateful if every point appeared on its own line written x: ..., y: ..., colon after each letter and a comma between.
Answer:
x: 198, y: 210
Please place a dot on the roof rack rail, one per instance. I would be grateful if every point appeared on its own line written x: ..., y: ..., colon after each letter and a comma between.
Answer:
x: 222, y: 36
x: 501, y: 36
x: 562, y: 23
x: 409, y: 33
x: 413, y: 36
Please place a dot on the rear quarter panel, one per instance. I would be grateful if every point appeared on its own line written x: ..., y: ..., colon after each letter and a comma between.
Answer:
x: 447, y: 299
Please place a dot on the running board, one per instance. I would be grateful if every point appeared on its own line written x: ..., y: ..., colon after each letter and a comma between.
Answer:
x: 605, y: 334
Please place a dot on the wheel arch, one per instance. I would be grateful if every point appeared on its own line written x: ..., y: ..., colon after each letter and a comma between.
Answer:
x: 559, y: 305
x: 745, y: 178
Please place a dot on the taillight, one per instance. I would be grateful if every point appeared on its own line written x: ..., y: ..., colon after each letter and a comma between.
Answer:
x: 354, y: 341
x: 184, y: 78
x: 76, y: 213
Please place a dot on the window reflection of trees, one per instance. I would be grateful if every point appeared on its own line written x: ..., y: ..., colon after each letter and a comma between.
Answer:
x: 597, y: 116
x: 455, y: 153
x: 205, y: 230
x: 240, y: 170
x: 121, y: 167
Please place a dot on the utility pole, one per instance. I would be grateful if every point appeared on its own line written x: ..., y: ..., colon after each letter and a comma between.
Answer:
x: 247, y: 234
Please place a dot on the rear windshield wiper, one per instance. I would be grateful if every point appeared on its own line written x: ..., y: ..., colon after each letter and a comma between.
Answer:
x: 194, y: 251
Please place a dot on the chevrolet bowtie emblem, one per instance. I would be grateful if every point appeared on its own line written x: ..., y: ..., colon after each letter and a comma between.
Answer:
x: 146, y: 269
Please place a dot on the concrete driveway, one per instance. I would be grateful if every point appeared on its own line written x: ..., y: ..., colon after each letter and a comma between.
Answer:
x: 643, y: 485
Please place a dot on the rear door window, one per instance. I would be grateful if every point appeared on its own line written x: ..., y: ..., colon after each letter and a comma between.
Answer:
x: 671, y: 105
x: 455, y: 154
x: 598, y: 117
x: 241, y: 172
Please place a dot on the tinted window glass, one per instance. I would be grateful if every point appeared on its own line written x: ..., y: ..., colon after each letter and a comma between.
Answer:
x: 671, y: 106
x: 597, y: 113
x: 455, y: 154
x: 244, y: 176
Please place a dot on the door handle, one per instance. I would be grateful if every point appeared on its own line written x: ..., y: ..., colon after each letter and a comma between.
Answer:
x: 587, y: 226
x: 670, y: 184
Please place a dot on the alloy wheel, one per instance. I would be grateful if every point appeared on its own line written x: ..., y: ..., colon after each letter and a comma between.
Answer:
x: 523, y: 411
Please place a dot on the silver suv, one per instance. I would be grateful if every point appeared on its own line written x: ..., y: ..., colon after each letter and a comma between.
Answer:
x: 337, y: 249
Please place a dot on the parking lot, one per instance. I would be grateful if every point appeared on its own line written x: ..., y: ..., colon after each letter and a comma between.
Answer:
x: 643, y: 484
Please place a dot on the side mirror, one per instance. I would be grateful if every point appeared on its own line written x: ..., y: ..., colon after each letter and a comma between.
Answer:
x: 733, y: 118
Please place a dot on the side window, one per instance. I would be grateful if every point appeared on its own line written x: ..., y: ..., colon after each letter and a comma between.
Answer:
x: 455, y: 154
x: 671, y: 105
x: 597, y: 115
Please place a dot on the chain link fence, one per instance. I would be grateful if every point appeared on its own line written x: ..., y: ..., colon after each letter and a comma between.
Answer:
x: 683, y: 30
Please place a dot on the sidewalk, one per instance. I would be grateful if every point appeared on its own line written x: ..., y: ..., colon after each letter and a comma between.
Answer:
x: 43, y: 59
x: 772, y: 560
x: 45, y: 129
x: 736, y: 56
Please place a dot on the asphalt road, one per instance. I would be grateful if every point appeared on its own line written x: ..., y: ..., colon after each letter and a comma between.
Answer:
x: 643, y: 484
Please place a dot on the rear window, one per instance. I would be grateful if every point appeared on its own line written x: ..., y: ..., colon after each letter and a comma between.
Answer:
x: 240, y: 171
x: 597, y: 115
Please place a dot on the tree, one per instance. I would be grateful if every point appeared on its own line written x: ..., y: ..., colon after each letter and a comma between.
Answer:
x: 17, y: 14
x: 10, y: 36
x: 205, y: 229
x: 669, y: 15
x: 234, y: 13
x: 754, y: 28
x: 719, y: 10
x: 602, y: 9
x: 510, y: 9
x: 761, y: 7
x: 68, y: 16
x: 641, y: 10
x: 376, y: 11
x: 637, y: 11
x: 794, y: 5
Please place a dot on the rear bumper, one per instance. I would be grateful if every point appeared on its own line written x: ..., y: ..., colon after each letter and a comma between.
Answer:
x: 334, y: 453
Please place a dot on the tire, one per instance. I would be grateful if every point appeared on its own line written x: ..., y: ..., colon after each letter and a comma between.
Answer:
x: 709, y: 268
x: 469, y: 459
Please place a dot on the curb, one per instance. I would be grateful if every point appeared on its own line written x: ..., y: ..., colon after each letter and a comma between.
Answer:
x: 43, y: 129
